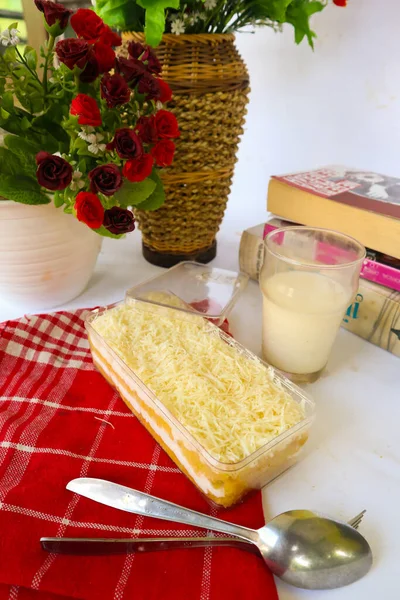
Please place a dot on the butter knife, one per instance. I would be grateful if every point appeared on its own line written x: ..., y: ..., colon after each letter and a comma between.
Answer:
x: 107, y: 546
x: 129, y: 500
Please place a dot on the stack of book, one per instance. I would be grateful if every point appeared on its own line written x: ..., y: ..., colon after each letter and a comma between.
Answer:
x: 361, y: 204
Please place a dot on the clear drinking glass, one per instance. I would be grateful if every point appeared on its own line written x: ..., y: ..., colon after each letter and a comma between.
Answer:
x: 308, y: 279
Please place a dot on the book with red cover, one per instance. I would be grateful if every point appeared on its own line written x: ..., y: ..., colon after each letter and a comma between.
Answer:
x: 362, y: 189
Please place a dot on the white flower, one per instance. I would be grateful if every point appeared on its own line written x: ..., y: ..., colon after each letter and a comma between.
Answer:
x: 9, y: 37
x: 95, y: 147
x: 84, y: 133
x: 77, y: 183
x: 177, y: 26
x: 210, y: 4
x: 193, y: 18
x: 93, y: 139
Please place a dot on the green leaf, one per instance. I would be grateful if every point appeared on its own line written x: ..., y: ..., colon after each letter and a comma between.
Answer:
x: 298, y: 15
x: 23, y: 154
x: 155, y: 25
x: 122, y: 14
x: 21, y: 146
x: 7, y: 101
x: 22, y: 189
x: 272, y: 9
x: 132, y: 194
x: 155, y: 18
x: 10, y: 54
x: 105, y: 233
x: 31, y: 59
x: 9, y: 162
x: 5, y: 114
x: 13, y: 26
x: 157, y: 198
x: 159, y: 3
x: 111, y: 120
x: 58, y: 199
x: 82, y: 165
x: 54, y: 130
x: 25, y: 124
x: 81, y: 148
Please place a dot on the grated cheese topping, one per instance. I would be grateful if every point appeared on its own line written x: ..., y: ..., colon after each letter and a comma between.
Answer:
x: 229, y: 402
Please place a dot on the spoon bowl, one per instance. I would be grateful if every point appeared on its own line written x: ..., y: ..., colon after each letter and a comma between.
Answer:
x: 310, y: 551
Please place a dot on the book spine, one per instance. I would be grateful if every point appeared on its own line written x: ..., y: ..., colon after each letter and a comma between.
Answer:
x: 381, y: 274
x: 375, y: 316
x: 251, y: 254
x: 371, y: 270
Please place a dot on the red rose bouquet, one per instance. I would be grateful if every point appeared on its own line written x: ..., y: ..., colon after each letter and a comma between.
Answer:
x: 89, y: 132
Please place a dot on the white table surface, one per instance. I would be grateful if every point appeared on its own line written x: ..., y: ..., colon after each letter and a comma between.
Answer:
x: 352, y: 459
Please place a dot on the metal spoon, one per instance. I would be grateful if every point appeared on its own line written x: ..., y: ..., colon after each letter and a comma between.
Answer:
x: 299, y: 546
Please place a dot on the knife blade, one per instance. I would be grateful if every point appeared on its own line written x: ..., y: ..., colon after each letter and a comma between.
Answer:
x: 130, y: 500
x: 108, y: 546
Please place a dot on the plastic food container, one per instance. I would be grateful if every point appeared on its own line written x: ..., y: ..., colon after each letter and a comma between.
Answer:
x: 223, y: 483
x: 210, y: 291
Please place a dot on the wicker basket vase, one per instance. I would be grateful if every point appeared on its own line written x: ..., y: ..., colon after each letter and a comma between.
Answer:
x: 210, y: 87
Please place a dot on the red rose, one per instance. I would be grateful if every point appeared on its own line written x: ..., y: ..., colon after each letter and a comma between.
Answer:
x: 149, y: 85
x: 105, y: 56
x: 146, y: 128
x: 138, y: 169
x: 119, y: 220
x: 165, y: 91
x: 87, y: 110
x: 153, y: 64
x: 87, y: 24
x: 53, y: 172
x: 105, y: 179
x: 89, y: 209
x: 126, y: 143
x: 73, y: 52
x: 163, y: 153
x: 91, y: 72
x: 109, y: 37
x: 340, y: 2
x: 56, y: 16
x: 131, y: 69
x: 114, y: 90
x: 136, y: 49
x: 166, y: 124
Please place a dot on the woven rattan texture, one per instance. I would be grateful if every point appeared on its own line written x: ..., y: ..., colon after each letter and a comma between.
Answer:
x: 210, y: 84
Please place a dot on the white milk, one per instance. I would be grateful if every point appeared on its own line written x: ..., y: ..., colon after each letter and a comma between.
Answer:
x: 302, y: 312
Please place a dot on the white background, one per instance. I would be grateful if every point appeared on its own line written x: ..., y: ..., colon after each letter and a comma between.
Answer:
x: 337, y: 105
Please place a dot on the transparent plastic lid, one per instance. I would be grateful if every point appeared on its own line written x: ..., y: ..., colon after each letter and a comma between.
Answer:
x: 209, y: 291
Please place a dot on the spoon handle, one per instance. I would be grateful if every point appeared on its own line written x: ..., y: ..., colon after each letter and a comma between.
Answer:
x: 108, y: 546
x: 139, y: 503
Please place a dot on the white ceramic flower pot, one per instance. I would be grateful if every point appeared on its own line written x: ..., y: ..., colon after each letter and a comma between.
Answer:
x: 46, y: 256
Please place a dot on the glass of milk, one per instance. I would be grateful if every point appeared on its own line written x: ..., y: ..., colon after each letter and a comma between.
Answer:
x: 308, y: 279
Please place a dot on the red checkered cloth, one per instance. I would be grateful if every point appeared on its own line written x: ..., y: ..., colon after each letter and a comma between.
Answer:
x: 59, y: 419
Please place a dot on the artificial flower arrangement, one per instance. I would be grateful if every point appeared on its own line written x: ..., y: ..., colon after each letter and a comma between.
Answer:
x: 92, y: 133
x: 210, y: 16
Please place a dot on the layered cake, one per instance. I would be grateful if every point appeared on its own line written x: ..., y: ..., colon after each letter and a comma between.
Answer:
x: 226, y: 420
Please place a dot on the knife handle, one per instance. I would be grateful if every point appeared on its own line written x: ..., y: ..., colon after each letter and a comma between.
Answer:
x: 107, y: 546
